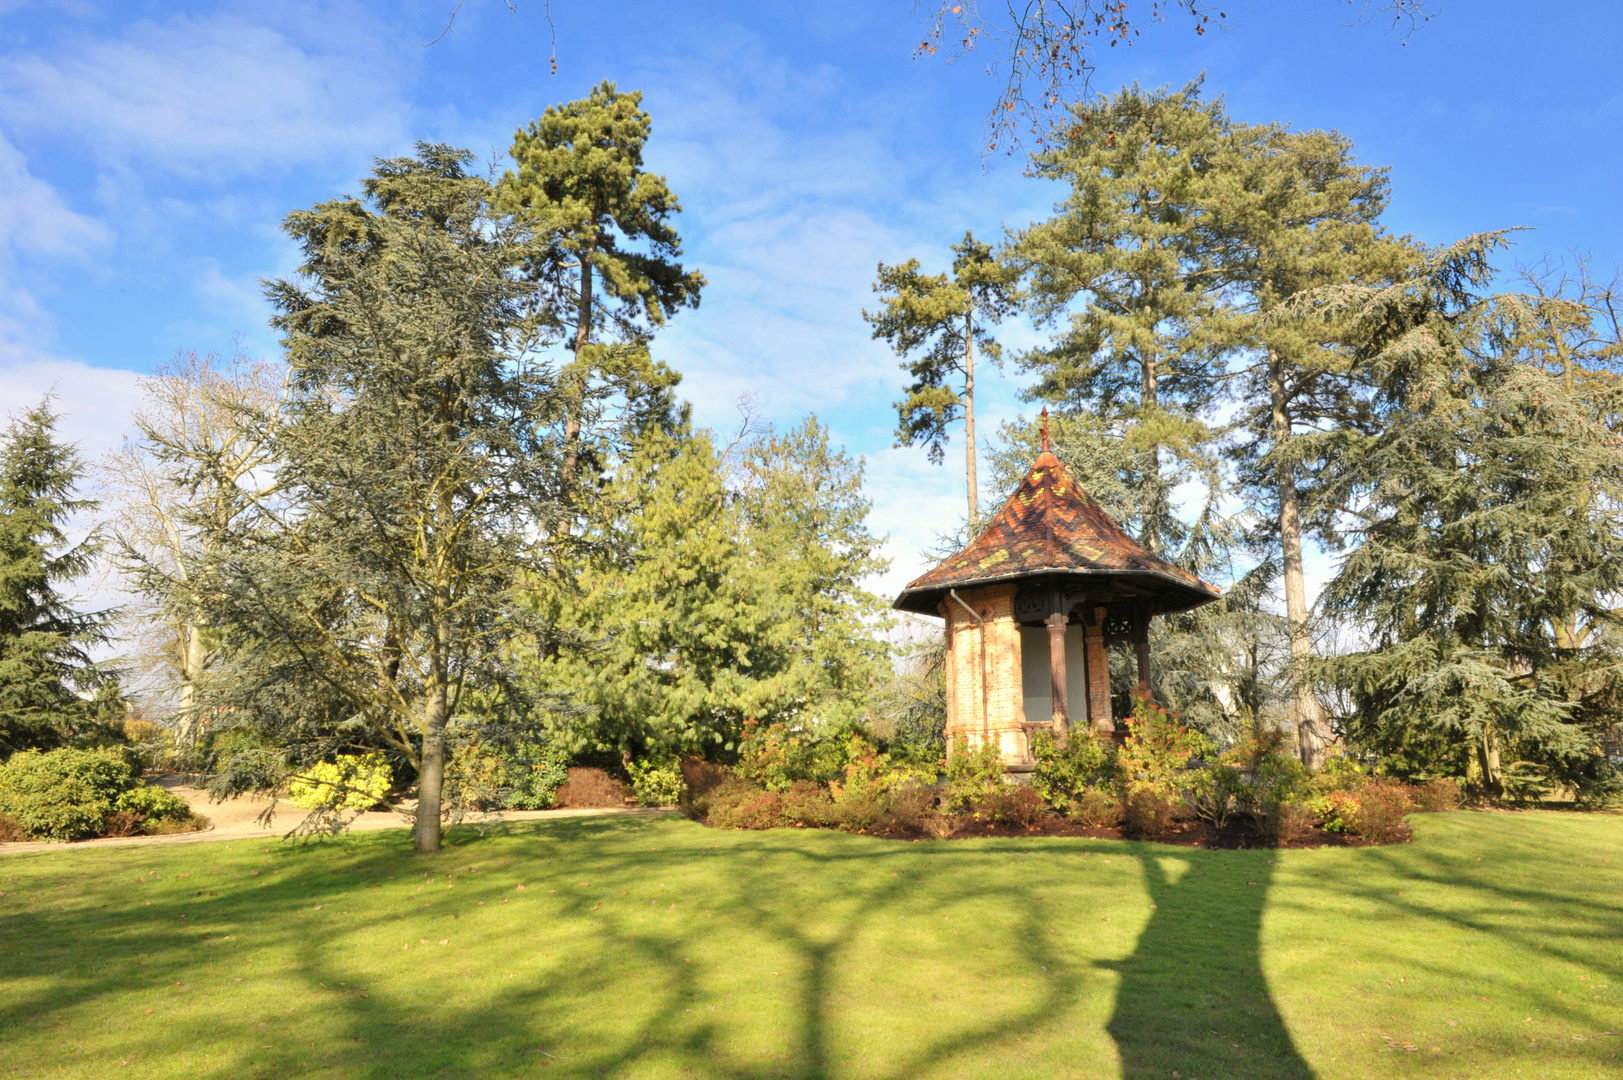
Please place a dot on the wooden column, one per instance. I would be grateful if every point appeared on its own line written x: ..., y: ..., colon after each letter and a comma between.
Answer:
x: 1098, y: 665
x: 1143, y: 650
x: 1056, y: 672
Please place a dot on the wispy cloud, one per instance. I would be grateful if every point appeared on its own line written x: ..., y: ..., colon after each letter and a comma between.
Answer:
x: 211, y: 96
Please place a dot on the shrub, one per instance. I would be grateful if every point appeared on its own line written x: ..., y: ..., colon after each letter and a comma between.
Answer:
x: 121, y: 823
x: 700, y: 776
x: 773, y: 756
x: 1436, y: 796
x: 64, y: 794
x: 1157, y: 751
x: 1277, y: 779
x: 1218, y: 790
x: 657, y: 781
x: 10, y: 831
x: 153, y: 803
x: 807, y: 805
x: 1065, y: 768
x: 477, y: 777
x: 1289, y: 823
x: 1095, y: 808
x: 746, y: 807
x: 909, y: 805
x: 1148, y: 814
x: 972, y: 775
x: 1337, y: 810
x: 349, y: 782
x: 587, y: 787
x: 1381, y: 807
x: 536, y: 772
x: 1017, y: 807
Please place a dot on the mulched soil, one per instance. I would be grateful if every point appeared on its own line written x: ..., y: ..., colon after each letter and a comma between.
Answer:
x: 1193, y: 833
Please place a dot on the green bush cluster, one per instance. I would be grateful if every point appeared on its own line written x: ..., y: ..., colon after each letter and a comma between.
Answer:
x: 71, y: 794
x: 517, y: 776
x: 657, y: 780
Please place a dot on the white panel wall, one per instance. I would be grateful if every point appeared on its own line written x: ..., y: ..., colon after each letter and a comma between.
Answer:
x: 1036, y: 683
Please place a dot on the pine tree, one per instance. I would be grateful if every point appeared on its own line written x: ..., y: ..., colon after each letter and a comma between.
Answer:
x: 44, y: 644
x: 1129, y: 269
x: 1296, y: 212
x: 609, y: 265
x: 946, y: 318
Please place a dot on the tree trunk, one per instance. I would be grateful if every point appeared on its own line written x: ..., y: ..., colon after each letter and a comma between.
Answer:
x: 431, y: 776
x: 1305, y: 711
x: 1149, y: 396
x: 583, y: 335
x: 191, y: 676
x: 969, y: 426
x: 1493, y: 776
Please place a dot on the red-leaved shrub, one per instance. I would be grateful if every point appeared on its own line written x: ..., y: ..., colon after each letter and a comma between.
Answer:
x: 1381, y: 806
x: 1148, y: 815
x: 589, y: 787
x: 1435, y: 796
x: 1017, y: 807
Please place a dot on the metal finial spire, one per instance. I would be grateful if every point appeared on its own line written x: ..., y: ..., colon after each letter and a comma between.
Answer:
x: 1045, y: 427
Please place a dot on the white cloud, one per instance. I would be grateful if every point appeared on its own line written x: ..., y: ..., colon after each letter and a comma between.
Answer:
x: 33, y: 217
x: 94, y: 403
x: 209, y: 96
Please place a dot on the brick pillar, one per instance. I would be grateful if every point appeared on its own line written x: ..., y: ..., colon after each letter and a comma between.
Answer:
x: 1002, y: 719
x: 1093, y: 645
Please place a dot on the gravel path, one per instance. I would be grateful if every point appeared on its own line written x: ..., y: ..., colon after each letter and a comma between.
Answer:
x: 238, y: 819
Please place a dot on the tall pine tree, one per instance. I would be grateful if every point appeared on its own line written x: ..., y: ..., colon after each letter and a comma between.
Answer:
x: 610, y: 262
x: 947, y: 318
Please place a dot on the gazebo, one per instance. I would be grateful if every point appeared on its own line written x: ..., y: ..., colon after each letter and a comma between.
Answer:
x: 1031, y: 605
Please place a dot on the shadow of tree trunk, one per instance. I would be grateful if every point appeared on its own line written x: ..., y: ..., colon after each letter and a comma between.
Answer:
x: 1193, y: 1001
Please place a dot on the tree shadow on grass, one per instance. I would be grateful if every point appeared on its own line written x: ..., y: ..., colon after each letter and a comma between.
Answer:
x: 1193, y: 1000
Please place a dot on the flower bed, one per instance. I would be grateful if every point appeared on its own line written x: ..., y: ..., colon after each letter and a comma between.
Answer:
x: 1163, y: 782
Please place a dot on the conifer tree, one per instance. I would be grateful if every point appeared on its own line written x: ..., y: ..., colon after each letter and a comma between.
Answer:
x: 374, y: 599
x: 946, y: 317
x: 713, y: 596
x: 610, y: 264
x: 1488, y: 544
x: 44, y: 643
x: 1295, y: 212
x: 1129, y: 269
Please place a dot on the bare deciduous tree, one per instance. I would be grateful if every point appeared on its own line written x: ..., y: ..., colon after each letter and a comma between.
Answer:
x: 199, y: 457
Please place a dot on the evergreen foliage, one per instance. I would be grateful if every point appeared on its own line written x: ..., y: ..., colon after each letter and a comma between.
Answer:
x: 946, y: 318
x: 606, y: 259
x: 372, y: 602
x: 1487, y: 533
x: 45, y: 661
x: 706, y: 606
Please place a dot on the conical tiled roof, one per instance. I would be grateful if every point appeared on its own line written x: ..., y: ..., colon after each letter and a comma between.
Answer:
x: 1052, y: 528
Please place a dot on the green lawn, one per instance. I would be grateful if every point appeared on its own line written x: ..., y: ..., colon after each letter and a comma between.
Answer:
x: 651, y: 947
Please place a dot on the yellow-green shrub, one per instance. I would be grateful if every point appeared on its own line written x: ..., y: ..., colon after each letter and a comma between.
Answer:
x: 348, y: 782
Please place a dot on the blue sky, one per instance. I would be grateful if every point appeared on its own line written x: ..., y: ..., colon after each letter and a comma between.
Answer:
x: 149, y: 150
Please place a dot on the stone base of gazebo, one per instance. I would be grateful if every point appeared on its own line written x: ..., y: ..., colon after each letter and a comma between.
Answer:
x: 997, y: 694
